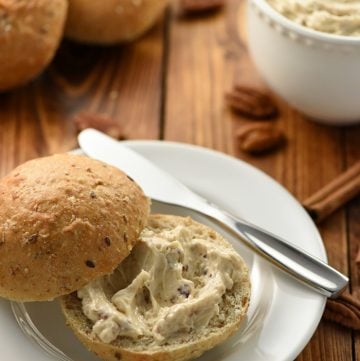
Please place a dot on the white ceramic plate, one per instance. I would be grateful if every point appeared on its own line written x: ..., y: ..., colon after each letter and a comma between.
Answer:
x: 283, y: 314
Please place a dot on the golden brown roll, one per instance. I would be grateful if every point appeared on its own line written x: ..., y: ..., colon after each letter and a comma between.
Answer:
x: 30, y: 32
x: 111, y: 21
x: 65, y: 220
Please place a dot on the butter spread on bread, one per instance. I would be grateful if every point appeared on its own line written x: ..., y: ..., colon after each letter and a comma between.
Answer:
x: 172, y: 282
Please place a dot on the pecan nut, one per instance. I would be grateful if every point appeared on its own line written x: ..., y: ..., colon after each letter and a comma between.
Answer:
x: 259, y: 138
x: 198, y: 6
x: 100, y: 122
x: 344, y: 310
x: 251, y: 103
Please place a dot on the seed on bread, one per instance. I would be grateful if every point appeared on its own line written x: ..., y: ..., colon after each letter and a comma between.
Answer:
x: 90, y: 263
x: 32, y: 239
x: 107, y: 241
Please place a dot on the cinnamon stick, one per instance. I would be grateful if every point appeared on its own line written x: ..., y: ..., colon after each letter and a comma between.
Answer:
x: 335, y: 194
x: 344, y: 310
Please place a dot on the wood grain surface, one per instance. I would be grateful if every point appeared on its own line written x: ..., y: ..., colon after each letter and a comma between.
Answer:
x: 170, y: 84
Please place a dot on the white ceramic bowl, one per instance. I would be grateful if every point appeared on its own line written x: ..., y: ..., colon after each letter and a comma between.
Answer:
x: 317, y: 73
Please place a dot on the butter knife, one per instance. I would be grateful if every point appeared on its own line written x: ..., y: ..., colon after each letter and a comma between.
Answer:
x: 162, y: 187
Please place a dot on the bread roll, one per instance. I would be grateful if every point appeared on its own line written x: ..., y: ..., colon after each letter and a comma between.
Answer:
x: 30, y: 32
x: 65, y: 220
x: 203, y: 259
x: 111, y: 21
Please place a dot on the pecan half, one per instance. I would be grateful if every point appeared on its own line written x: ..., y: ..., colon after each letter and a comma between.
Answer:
x: 344, y: 310
x: 251, y: 103
x: 199, y: 6
x: 259, y: 138
x: 100, y: 122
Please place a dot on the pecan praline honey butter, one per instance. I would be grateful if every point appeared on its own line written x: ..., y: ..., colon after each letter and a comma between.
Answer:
x: 340, y: 17
x: 181, y: 291
x: 173, y: 281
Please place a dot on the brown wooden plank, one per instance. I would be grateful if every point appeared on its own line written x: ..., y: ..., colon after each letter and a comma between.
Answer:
x: 352, y: 137
x: 195, y: 111
x: 206, y: 56
x: 121, y: 81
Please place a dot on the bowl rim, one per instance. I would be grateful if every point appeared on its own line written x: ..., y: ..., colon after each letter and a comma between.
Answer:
x: 291, y: 25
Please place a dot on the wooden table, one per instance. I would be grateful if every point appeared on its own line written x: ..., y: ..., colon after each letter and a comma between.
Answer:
x: 170, y: 85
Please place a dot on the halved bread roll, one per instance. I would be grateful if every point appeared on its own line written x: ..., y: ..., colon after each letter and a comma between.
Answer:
x: 64, y: 221
x: 181, y: 291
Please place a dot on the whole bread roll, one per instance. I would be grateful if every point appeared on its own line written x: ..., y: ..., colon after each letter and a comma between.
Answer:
x: 111, y: 21
x: 30, y: 32
x: 186, y: 263
x: 65, y: 220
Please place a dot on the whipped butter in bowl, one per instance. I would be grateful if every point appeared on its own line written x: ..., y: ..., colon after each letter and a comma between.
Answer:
x: 340, y: 17
x: 308, y: 51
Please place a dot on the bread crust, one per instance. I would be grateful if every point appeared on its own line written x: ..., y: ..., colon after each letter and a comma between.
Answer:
x: 30, y: 32
x: 111, y: 21
x: 181, y: 351
x: 65, y: 220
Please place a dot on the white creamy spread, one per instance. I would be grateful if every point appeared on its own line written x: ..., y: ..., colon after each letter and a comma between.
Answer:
x: 341, y: 17
x: 172, y: 282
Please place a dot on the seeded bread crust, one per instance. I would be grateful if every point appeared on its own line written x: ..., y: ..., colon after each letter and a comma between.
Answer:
x: 111, y: 21
x: 30, y: 32
x: 184, y: 347
x: 65, y: 220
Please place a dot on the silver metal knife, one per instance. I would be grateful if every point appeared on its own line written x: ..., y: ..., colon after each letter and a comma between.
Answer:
x: 162, y: 187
